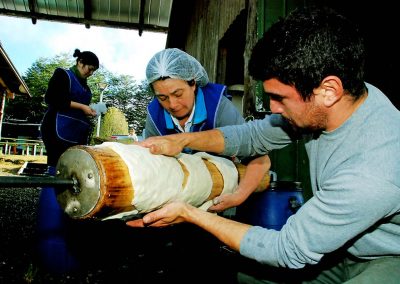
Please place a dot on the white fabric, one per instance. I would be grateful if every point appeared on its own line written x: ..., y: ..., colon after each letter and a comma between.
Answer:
x: 199, y: 182
x: 226, y: 167
x: 228, y: 171
x: 158, y: 179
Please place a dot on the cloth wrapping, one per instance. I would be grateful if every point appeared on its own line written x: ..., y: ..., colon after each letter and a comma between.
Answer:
x: 158, y: 179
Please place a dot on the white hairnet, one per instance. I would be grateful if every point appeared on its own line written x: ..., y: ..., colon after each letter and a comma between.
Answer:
x: 176, y: 64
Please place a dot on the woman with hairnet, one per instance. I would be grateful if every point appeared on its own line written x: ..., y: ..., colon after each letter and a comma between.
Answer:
x: 185, y: 101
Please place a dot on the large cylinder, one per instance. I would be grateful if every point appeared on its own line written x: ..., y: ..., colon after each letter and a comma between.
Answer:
x: 115, y: 178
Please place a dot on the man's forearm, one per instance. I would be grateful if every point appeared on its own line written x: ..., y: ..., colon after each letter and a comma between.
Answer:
x: 209, y: 141
x: 173, y: 144
x: 227, y: 231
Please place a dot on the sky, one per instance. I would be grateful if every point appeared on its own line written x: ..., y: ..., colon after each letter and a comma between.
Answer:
x: 120, y: 51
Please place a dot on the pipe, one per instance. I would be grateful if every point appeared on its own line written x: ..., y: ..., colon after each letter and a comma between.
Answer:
x: 29, y: 181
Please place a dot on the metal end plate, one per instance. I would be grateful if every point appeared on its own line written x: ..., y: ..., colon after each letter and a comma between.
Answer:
x: 79, y: 201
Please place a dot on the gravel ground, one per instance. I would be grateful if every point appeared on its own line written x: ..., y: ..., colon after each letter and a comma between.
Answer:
x: 109, y: 252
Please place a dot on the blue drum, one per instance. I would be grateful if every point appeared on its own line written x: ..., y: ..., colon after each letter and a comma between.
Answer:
x: 272, y: 207
x: 54, y: 254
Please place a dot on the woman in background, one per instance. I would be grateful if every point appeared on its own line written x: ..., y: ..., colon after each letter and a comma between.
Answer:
x: 66, y: 123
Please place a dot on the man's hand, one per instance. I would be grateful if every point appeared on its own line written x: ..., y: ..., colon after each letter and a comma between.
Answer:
x: 172, y: 213
x: 162, y: 145
x: 173, y: 144
x: 228, y: 231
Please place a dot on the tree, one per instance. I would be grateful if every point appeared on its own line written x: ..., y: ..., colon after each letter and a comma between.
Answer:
x: 36, y: 78
x: 114, y: 122
x: 137, y: 116
x: 130, y: 97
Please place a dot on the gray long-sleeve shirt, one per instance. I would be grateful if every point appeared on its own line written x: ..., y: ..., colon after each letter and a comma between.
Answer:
x: 355, y: 177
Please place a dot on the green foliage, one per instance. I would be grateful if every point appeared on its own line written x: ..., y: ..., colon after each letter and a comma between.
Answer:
x: 101, y: 76
x: 137, y: 114
x: 130, y: 97
x: 36, y: 78
x: 114, y: 122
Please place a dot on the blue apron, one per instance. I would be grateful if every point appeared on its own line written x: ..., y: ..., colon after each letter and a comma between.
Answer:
x: 72, y: 125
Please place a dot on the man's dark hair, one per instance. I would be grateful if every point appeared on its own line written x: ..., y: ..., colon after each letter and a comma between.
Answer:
x: 308, y: 45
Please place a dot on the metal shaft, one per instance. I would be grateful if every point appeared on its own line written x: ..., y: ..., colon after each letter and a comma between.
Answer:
x: 30, y: 181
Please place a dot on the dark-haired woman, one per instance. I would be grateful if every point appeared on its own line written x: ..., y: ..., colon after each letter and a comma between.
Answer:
x: 66, y: 123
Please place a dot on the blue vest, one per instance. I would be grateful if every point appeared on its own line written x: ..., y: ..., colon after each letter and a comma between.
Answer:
x: 207, y: 103
x: 78, y: 94
x: 72, y: 125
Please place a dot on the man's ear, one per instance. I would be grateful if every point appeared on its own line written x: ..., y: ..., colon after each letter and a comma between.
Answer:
x: 331, y: 89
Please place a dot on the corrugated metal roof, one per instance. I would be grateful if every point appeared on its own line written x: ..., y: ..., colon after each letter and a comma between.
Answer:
x: 142, y: 15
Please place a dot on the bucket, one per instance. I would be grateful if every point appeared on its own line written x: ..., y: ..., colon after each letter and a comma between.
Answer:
x: 272, y: 207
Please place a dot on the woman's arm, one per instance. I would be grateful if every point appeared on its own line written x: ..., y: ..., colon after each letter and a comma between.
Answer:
x: 256, y: 171
x: 57, y: 93
x: 87, y: 110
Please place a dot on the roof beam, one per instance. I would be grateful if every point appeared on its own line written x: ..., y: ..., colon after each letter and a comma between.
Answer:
x: 141, y: 16
x: 100, y: 23
x: 87, y: 12
x: 32, y: 8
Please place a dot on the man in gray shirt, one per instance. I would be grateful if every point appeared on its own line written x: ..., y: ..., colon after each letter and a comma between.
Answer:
x: 312, y: 67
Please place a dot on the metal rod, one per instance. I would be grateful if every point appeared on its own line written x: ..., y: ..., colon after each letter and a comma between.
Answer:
x: 29, y: 181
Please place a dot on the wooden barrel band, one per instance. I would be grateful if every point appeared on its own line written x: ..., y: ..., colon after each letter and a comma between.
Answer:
x: 116, y: 188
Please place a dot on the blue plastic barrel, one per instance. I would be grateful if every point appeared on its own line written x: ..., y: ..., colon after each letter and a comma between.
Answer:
x: 53, y: 252
x: 272, y: 207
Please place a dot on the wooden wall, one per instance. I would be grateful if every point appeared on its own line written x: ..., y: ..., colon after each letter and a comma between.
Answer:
x: 207, y: 25
x: 217, y: 33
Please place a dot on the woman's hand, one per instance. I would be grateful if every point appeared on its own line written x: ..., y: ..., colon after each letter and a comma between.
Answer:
x: 89, y: 111
x: 227, y: 200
